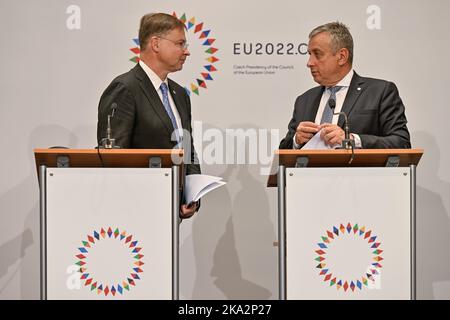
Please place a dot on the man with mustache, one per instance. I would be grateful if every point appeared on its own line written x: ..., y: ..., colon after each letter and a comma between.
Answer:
x: 375, y: 111
x: 153, y: 112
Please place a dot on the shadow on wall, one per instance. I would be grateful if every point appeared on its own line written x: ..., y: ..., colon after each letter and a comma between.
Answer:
x: 249, y: 229
x: 11, y: 252
x: 21, y: 203
x: 234, y: 229
x: 207, y: 226
x: 433, y: 223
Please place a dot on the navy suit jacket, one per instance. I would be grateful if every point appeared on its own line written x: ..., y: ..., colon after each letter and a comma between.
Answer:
x: 140, y: 120
x: 374, y: 109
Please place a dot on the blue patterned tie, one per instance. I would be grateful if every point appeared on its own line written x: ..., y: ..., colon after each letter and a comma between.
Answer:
x: 327, y: 115
x: 166, y: 103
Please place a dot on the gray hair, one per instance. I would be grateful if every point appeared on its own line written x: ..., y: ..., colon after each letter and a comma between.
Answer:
x: 340, y: 37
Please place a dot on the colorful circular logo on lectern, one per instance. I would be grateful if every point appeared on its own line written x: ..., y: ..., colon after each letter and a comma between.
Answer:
x: 361, y: 239
x: 205, y: 41
x: 110, y: 261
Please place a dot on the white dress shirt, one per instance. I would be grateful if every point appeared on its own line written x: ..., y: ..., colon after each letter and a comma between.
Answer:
x: 340, y: 98
x: 156, y: 81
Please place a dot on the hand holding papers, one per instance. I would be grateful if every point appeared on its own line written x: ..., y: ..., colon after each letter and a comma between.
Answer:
x: 316, y: 143
x: 197, y: 185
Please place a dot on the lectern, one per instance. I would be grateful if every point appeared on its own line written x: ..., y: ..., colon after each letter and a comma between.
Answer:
x: 109, y: 223
x: 346, y: 223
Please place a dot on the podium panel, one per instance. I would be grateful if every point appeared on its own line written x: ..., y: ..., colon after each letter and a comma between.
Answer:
x: 108, y: 233
x: 348, y: 233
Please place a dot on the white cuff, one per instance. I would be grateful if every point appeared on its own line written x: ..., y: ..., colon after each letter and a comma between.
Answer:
x: 357, y: 139
x: 295, y: 145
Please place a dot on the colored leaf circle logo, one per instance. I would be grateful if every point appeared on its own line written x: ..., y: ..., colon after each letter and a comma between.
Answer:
x: 91, y: 247
x: 353, y: 233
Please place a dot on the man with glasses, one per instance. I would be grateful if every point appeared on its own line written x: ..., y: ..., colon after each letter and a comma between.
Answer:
x: 153, y: 112
x: 376, y: 114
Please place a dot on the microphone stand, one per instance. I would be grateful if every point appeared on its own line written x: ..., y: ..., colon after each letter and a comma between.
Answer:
x: 109, y: 142
x: 347, y: 143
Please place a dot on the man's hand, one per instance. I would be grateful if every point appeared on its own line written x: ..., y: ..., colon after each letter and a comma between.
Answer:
x: 331, y: 134
x: 305, y: 131
x: 187, y: 211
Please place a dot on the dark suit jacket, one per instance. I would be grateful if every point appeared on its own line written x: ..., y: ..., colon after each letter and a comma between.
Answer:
x: 140, y: 120
x: 374, y: 109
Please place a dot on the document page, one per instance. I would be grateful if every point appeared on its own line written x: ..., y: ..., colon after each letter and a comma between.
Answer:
x: 198, y: 185
x: 316, y: 143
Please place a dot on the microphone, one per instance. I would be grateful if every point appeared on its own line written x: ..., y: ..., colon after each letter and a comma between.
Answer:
x: 332, y: 104
x: 109, y: 142
x: 113, y: 109
x: 347, y: 143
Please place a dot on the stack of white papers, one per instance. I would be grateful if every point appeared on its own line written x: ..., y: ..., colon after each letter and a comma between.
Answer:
x: 197, y: 185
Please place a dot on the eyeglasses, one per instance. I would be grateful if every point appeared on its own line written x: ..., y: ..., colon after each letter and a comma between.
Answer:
x: 182, y: 45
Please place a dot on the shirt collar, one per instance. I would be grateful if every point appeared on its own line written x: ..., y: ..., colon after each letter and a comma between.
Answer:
x: 156, y: 81
x: 345, y: 81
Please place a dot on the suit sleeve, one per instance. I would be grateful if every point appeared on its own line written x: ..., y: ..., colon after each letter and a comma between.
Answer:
x: 288, y: 141
x: 193, y: 166
x: 123, y: 121
x: 392, y: 120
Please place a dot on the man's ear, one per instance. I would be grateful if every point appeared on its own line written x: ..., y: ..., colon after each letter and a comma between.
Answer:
x: 343, y: 56
x: 153, y: 43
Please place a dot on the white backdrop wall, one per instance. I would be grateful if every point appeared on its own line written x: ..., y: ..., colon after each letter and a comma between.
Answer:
x: 58, y: 56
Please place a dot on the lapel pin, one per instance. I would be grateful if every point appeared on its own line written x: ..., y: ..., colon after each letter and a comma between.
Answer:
x: 358, y: 88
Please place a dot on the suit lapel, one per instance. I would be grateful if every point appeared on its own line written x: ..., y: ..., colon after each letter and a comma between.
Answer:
x: 153, y: 98
x: 354, y: 91
x: 179, y: 104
